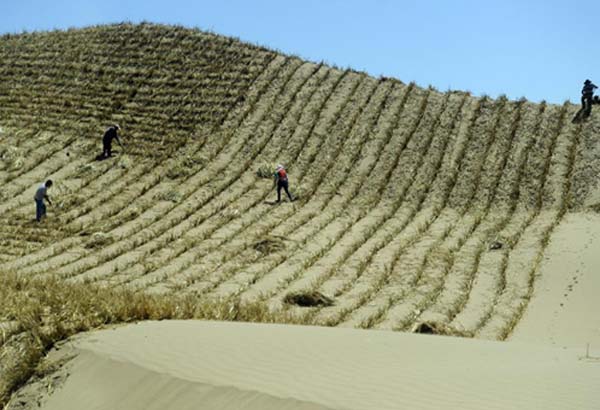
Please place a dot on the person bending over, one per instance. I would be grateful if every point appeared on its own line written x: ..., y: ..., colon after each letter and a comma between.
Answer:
x: 281, y: 180
x: 111, y: 133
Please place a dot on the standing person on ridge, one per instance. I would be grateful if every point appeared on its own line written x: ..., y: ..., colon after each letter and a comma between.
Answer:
x: 281, y: 180
x: 587, y: 97
x: 40, y: 195
x: 110, y: 134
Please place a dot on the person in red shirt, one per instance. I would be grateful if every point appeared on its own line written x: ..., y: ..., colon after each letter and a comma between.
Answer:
x: 281, y: 180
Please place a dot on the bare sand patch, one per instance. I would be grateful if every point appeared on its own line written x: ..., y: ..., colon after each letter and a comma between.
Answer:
x: 195, y: 364
x: 565, y: 306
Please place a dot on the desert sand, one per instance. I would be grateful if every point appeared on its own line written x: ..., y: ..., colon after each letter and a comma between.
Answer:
x: 565, y: 307
x: 210, y: 365
x: 551, y: 361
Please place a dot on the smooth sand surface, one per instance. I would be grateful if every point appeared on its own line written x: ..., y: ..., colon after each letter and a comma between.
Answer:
x: 565, y: 308
x: 216, y: 365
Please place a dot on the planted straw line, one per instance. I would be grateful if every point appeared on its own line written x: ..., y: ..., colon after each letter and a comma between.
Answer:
x: 200, y: 231
x: 514, y: 186
x: 311, y: 134
x: 353, y: 89
x: 191, y: 254
x: 155, y: 220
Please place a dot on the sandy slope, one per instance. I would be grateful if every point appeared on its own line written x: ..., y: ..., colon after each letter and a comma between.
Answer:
x: 193, y: 364
x: 213, y: 365
x: 566, y: 302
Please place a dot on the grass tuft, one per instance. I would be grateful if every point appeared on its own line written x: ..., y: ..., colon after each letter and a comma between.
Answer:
x: 308, y: 299
x: 269, y: 244
x: 435, y: 328
x: 171, y: 196
x: 99, y: 240
x: 265, y: 170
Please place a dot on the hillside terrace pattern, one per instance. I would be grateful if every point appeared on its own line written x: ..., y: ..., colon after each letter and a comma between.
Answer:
x: 400, y: 189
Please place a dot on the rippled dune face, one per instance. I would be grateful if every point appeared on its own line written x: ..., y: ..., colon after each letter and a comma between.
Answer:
x: 413, y: 206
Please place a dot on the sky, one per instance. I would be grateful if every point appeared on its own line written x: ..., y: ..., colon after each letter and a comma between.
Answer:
x: 541, y: 50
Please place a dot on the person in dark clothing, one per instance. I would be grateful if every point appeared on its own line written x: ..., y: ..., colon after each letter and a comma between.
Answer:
x: 281, y: 180
x: 587, y: 97
x: 110, y: 134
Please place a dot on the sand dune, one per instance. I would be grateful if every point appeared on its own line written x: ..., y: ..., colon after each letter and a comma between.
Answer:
x: 551, y: 361
x: 216, y: 365
x: 105, y: 383
x: 565, y: 304
x: 401, y: 189
x: 413, y: 205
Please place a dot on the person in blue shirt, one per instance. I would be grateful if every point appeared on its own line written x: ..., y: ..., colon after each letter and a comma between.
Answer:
x: 40, y: 194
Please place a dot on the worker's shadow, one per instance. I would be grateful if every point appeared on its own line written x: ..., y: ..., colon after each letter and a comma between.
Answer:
x: 101, y: 157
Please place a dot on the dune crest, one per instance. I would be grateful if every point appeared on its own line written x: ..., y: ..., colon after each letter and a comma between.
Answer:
x: 179, y: 364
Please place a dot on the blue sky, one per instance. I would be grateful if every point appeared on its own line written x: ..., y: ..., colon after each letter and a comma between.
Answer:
x: 531, y: 48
